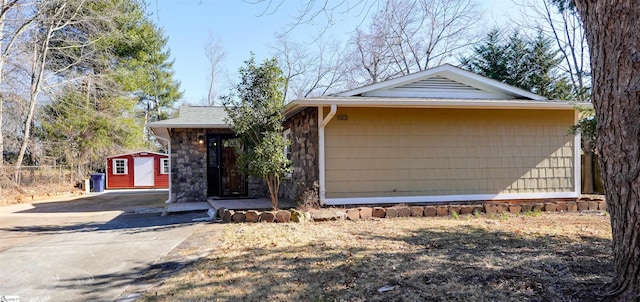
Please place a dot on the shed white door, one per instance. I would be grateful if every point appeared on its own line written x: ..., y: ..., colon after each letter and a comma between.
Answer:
x: 143, y: 172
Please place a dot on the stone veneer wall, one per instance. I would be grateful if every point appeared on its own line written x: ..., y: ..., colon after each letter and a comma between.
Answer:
x: 304, y: 154
x: 189, y: 165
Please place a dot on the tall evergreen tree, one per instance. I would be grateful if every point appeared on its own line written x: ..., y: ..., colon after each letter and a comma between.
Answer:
x: 144, y: 64
x: 101, y: 107
x: 530, y: 64
x: 544, y: 78
x: 488, y: 57
x: 84, y: 132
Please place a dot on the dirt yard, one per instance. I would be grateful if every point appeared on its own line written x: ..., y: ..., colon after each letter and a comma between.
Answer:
x: 35, y: 193
x: 527, y: 257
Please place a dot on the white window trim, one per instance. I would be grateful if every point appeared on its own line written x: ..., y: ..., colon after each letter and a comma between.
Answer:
x: 162, y: 165
x: 115, y: 168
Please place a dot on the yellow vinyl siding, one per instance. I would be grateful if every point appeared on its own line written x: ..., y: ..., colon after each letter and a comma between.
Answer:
x: 422, y: 152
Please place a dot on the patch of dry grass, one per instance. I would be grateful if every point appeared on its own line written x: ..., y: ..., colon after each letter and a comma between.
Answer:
x: 551, y: 257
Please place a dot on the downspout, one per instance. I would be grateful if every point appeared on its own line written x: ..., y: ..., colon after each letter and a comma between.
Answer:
x: 168, y: 144
x: 322, y: 122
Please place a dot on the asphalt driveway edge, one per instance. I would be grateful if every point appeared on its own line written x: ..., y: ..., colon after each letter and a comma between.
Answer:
x: 199, y: 244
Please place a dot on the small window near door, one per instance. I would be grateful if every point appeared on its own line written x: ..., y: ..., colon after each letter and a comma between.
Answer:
x: 287, y: 149
x: 119, y: 166
x: 164, y: 166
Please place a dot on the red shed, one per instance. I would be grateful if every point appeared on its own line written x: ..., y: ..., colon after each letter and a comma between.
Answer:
x: 148, y: 170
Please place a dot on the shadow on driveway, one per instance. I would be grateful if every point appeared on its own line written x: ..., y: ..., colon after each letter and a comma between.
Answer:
x: 126, y: 201
x: 90, y: 287
x: 131, y: 223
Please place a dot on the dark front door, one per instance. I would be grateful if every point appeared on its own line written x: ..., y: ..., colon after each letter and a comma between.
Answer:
x: 223, y: 174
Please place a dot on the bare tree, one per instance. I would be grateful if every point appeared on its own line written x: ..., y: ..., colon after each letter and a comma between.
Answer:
x: 565, y: 27
x: 61, y: 40
x: 42, y: 36
x: 323, y: 13
x: 372, y: 55
x: 406, y: 36
x: 215, y: 53
x: 13, y: 23
x: 313, y: 71
x: 403, y: 36
x: 567, y: 31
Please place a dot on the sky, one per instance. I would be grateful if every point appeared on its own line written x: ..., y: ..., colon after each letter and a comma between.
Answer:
x: 243, y: 28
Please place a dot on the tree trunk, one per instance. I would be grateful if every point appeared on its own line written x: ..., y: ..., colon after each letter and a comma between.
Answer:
x: 2, y: 173
x: 273, y: 182
x: 2, y: 60
x: 37, y: 74
x: 614, y: 42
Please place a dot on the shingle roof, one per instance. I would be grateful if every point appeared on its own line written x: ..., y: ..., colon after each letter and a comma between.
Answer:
x: 213, y: 117
x: 196, y: 117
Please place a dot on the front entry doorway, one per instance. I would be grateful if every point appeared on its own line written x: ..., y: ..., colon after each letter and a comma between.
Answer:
x: 223, y: 176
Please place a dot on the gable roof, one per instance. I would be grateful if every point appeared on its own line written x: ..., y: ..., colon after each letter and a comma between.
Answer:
x: 444, y: 81
x: 214, y: 117
x: 445, y: 86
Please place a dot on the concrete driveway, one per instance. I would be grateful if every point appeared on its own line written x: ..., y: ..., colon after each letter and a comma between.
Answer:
x: 88, y: 249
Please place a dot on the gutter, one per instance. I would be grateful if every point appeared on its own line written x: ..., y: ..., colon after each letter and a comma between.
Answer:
x: 322, y: 123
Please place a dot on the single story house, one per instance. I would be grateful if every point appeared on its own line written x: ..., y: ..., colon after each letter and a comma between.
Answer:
x: 439, y: 135
x: 138, y: 170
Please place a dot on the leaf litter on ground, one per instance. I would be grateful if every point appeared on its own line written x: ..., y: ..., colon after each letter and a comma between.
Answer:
x: 551, y: 257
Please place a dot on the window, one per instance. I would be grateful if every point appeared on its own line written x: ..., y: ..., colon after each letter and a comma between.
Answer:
x: 119, y: 166
x: 287, y: 149
x: 164, y: 166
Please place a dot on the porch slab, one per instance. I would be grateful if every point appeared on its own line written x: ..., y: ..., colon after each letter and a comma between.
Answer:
x: 259, y: 204
x: 187, y: 207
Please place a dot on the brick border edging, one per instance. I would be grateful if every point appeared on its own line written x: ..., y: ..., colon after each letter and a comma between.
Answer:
x: 376, y: 212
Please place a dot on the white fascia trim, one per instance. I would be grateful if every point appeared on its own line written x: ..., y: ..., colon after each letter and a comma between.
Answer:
x: 447, y: 198
x: 382, y: 102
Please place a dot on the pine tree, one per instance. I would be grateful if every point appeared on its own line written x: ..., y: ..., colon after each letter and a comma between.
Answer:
x: 530, y: 64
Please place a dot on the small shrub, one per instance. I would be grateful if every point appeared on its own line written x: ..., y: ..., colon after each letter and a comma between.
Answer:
x: 504, y: 216
x: 455, y: 214
x: 476, y: 214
